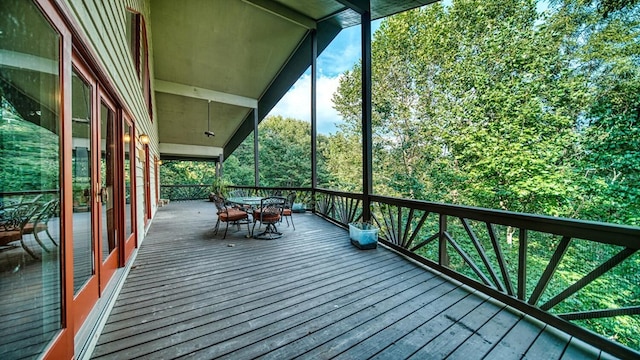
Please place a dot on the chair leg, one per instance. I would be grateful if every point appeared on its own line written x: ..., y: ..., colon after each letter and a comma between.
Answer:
x: 35, y: 235
x: 270, y: 232
x: 225, y: 230
x: 292, y: 224
x: 51, y: 237
x: 216, y: 228
x: 24, y: 246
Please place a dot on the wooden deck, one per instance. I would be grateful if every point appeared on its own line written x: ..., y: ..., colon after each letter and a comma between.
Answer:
x: 309, y: 294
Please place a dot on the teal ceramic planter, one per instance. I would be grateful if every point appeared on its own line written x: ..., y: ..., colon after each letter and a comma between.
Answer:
x: 363, y: 236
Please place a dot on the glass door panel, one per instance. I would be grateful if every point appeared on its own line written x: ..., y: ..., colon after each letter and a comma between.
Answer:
x: 83, y: 248
x: 30, y: 181
x: 110, y: 192
x: 107, y: 175
x: 129, y: 193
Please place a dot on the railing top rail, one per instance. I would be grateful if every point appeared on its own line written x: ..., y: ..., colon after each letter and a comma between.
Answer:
x: 621, y: 235
x: 615, y: 234
x: 291, y: 188
x: 185, y: 185
x: 341, y: 193
x: 29, y: 192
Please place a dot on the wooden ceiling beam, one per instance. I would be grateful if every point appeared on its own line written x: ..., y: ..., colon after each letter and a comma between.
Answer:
x: 204, y: 94
x: 284, y: 13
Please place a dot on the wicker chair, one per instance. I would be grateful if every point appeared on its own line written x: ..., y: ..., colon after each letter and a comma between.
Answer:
x: 228, y: 215
x: 269, y: 213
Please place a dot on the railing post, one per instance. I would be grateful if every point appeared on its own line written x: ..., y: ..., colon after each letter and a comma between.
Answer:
x: 443, y: 256
x: 522, y: 264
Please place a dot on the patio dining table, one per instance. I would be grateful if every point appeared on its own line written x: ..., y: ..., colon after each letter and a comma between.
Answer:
x: 251, y: 201
x: 248, y: 204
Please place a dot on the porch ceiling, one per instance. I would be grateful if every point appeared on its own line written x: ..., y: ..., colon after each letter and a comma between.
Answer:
x: 238, y: 54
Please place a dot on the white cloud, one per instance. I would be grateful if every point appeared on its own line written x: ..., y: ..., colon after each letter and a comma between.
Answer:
x: 296, y: 103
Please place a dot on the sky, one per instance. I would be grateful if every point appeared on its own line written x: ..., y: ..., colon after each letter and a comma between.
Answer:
x: 338, y: 57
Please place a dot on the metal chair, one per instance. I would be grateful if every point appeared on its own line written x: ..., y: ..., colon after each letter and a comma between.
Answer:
x: 40, y: 222
x: 13, y: 219
x: 287, y: 212
x: 229, y: 215
x: 269, y: 214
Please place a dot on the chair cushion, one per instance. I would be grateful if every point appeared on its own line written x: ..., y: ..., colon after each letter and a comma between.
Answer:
x: 233, y: 215
x: 286, y: 212
x: 7, y: 236
x: 31, y: 227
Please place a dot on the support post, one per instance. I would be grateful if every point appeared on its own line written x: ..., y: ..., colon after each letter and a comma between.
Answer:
x: 367, y: 142
x: 219, y: 166
x: 256, y: 159
x: 314, y: 125
x: 443, y: 255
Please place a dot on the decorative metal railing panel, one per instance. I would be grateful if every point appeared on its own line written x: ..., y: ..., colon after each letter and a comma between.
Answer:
x: 185, y: 192
x: 339, y: 207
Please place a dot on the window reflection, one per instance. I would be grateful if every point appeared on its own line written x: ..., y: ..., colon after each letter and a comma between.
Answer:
x: 107, y: 172
x: 83, y: 266
x: 128, y: 191
x: 30, y: 285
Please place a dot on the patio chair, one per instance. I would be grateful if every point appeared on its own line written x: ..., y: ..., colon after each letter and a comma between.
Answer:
x: 228, y: 215
x: 287, y: 212
x: 40, y: 222
x: 269, y: 213
x: 13, y: 219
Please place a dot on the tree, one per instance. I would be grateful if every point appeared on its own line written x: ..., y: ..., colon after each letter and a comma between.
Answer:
x: 471, y: 104
x: 284, y: 155
x: 607, y: 48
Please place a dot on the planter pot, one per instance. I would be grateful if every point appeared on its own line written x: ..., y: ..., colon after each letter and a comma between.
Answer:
x: 363, y: 236
x: 298, y: 208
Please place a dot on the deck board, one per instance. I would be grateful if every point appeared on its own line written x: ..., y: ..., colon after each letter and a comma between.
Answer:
x: 309, y: 294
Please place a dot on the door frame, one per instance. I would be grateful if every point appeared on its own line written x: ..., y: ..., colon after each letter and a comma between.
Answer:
x: 146, y: 170
x: 130, y: 241
x: 108, y: 266
x: 62, y: 344
x: 88, y: 295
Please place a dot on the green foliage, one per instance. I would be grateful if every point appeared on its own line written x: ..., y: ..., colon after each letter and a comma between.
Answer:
x: 29, y: 154
x: 501, y: 106
x: 284, y: 156
x: 498, y: 105
x: 173, y: 172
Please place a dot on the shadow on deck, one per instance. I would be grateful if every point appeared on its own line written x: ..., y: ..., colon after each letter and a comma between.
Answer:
x: 309, y: 294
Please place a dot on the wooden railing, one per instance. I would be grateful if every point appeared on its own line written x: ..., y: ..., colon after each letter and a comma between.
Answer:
x: 520, y: 259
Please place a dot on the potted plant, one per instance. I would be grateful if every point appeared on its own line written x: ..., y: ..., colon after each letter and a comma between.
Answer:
x: 363, y: 235
x: 219, y: 187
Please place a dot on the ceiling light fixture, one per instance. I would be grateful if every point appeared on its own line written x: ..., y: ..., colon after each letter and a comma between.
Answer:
x: 209, y: 133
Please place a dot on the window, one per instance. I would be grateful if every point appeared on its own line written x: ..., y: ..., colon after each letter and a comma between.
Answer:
x: 137, y: 38
x: 30, y: 180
